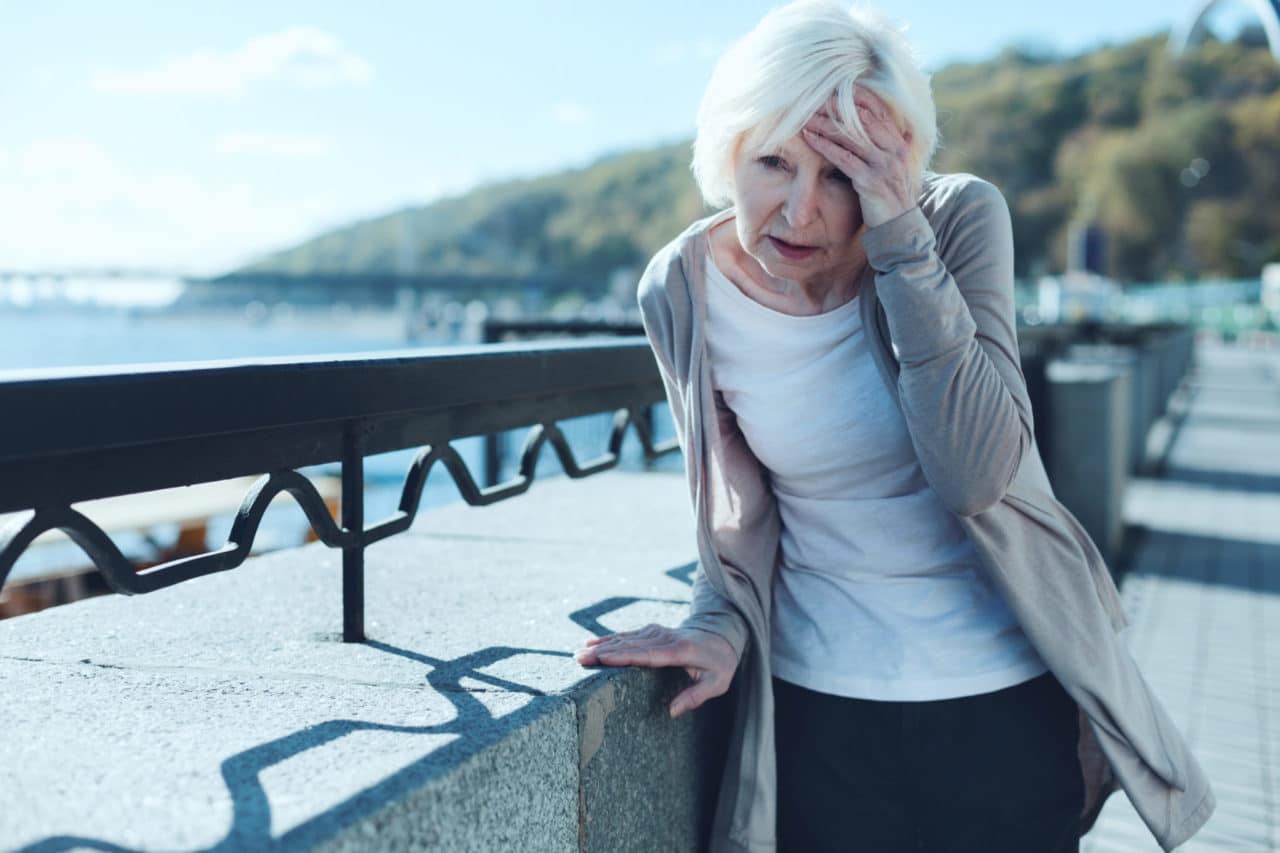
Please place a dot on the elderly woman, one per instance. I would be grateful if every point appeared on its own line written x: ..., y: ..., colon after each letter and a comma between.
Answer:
x: 922, y: 641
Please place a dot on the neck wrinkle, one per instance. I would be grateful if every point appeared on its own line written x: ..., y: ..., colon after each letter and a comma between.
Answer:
x: 738, y: 264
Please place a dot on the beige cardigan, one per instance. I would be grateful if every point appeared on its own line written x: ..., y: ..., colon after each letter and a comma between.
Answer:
x: 941, y: 306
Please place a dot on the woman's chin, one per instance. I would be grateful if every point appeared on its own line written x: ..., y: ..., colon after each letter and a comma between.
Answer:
x: 780, y: 266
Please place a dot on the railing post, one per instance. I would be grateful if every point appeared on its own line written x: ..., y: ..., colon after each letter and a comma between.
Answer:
x: 647, y: 418
x: 353, y: 523
x: 492, y: 458
x: 492, y: 334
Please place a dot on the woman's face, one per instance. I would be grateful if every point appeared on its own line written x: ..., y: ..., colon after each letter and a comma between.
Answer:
x: 797, y: 215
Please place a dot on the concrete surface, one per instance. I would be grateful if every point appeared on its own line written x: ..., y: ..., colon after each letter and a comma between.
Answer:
x: 1203, y: 597
x: 225, y: 713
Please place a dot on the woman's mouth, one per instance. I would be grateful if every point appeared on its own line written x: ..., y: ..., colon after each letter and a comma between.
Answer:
x: 792, y: 251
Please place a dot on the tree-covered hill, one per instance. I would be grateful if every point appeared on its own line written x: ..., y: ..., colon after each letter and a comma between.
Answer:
x: 1177, y: 160
x: 575, y: 226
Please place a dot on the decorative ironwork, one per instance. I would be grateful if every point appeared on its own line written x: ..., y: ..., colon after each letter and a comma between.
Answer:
x: 358, y: 435
x: 123, y: 577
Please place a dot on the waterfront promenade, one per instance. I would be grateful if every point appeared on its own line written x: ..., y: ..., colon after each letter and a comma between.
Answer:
x: 224, y: 713
x: 1203, y: 597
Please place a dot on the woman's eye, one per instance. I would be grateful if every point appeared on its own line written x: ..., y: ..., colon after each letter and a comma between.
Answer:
x: 841, y: 178
x: 771, y: 161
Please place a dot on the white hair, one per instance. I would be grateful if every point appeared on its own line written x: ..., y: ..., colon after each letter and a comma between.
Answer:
x: 769, y: 83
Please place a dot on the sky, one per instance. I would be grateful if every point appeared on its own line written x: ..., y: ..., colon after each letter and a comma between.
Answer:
x: 193, y: 137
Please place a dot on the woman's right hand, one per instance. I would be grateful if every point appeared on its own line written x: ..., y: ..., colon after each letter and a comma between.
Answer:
x: 707, y: 658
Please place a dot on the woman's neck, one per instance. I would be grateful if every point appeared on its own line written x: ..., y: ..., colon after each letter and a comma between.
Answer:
x: 789, y: 296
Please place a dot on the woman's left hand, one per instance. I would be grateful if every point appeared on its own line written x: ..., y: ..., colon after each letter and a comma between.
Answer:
x: 880, y: 172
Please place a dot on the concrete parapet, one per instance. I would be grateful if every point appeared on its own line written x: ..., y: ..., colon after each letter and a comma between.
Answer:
x: 225, y: 712
x: 1142, y: 365
x: 1088, y: 458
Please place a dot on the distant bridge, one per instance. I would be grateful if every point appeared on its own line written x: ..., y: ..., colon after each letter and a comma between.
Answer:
x: 1191, y: 30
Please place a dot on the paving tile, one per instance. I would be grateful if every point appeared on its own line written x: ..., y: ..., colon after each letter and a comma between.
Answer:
x: 1201, y: 592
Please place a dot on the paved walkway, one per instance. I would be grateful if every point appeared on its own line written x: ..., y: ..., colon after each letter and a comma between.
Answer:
x: 1204, y: 600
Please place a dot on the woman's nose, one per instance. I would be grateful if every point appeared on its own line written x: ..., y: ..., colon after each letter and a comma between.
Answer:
x: 802, y: 203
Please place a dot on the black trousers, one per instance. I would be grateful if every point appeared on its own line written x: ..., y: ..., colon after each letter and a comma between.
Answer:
x: 987, y: 773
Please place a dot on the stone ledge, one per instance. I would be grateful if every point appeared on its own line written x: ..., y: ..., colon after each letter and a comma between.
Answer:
x: 226, y: 711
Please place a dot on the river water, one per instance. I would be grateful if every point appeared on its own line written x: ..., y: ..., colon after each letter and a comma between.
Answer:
x: 66, y: 337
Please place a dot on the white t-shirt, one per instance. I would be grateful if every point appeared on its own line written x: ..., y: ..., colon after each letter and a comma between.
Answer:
x: 880, y: 594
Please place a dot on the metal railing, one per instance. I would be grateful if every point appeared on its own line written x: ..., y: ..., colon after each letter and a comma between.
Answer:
x: 497, y: 330
x: 74, y: 435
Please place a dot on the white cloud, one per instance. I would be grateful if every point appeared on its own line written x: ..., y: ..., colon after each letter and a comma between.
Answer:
x: 302, y: 55
x: 683, y: 52
x: 69, y: 203
x: 571, y: 112
x: 289, y: 146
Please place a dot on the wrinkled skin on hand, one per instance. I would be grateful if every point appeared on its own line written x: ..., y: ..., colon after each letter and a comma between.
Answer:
x: 707, y: 658
x: 880, y: 170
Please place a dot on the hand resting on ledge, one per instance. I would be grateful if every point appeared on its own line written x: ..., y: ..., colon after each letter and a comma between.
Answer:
x: 707, y: 658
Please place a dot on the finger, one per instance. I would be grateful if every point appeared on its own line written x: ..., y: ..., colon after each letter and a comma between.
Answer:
x: 636, y: 642
x: 586, y: 654
x: 598, y: 656
x: 586, y: 657
x: 648, y: 635
x: 692, y: 697
x: 828, y: 128
x: 883, y: 132
x: 844, y: 158
x: 669, y: 650
x: 864, y: 97
x: 827, y: 120
x: 639, y: 656
x: 650, y: 630
x: 881, y: 125
x: 884, y: 135
x: 825, y: 125
x: 836, y: 135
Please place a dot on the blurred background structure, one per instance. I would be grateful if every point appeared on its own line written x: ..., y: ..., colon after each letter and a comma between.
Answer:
x: 274, y: 184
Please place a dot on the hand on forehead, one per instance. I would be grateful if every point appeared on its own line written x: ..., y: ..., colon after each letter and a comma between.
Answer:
x: 878, y: 120
x: 877, y: 160
x: 869, y: 105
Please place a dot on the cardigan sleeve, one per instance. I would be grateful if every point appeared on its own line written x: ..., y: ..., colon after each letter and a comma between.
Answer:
x: 960, y: 382
x: 710, y: 611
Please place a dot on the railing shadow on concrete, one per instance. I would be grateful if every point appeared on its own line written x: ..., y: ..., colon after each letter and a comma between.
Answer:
x: 474, y: 725
x: 251, y: 821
